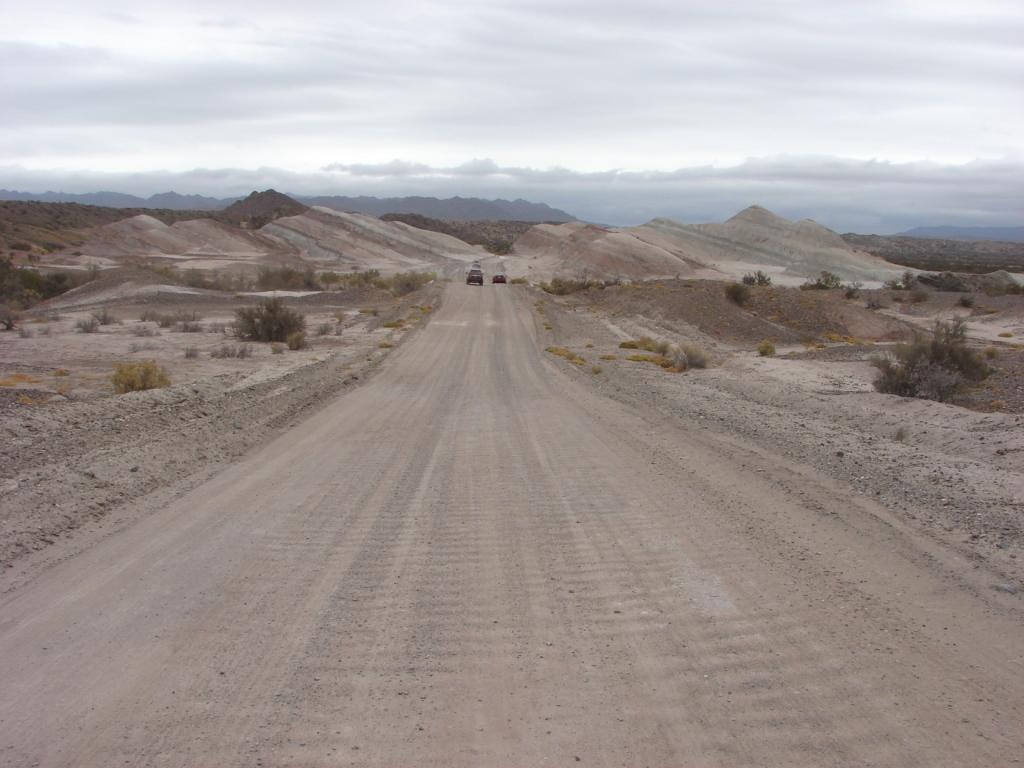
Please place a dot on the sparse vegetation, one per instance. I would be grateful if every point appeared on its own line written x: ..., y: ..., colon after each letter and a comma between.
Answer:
x: 269, y: 320
x: 874, y: 302
x: 687, y: 356
x: 853, y: 290
x: 324, y: 329
x: 609, y: 357
x: 144, y: 331
x: 766, y: 348
x: 737, y: 293
x: 394, y: 324
x: 568, y: 354
x: 519, y: 281
x: 135, y: 377
x: 919, y: 295
x: 562, y: 287
x: 191, y: 353
x: 385, y: 345
x: 237, y: 351
x: 296, y: 340
x: 277, y: 349
x: 966, y: 301
x: 757, y: 278
x: 647, y: 344
x: 826, y: 281
x: 659, y: 360
x: 991, y: 353
x: 104, y: 317
x: 87, y: 325
x: 8, y: 317
x: 596, y: 369
x: 934, y: 368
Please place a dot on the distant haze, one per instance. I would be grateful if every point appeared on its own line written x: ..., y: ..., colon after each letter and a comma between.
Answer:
x: 866, y: 116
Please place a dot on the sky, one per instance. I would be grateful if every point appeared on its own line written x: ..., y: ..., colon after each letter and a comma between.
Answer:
x: 863, y: 115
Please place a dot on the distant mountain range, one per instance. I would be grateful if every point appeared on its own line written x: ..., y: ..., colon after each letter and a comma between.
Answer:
x: 455, y: 208
x: 1003, y: 234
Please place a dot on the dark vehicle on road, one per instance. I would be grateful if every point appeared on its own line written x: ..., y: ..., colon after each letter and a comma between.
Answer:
x: 475, y: 277
x: 499, y: 277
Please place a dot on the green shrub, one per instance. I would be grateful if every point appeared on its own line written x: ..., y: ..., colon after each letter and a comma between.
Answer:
x: 766, y: 349
x: 134, y: 377
x: 933, y: 368
x: 269, y: 320
x: 737, y: 293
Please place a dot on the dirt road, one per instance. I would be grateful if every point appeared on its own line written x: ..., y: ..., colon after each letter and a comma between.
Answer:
x: 474, y: 560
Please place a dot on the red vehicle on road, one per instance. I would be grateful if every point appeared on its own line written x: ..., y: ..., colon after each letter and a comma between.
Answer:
x: 499, y: 277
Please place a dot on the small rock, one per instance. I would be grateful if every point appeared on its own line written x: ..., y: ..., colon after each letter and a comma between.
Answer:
x: 134, y: 469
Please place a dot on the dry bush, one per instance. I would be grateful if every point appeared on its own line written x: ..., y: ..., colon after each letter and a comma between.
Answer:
x: 238, y: 351
x: 369, y: 311
x: 568, y: 354
x: 104, y: 317
x: 766, y: 349
x: 966, y: 301
x: 394, y: 323
x: 385, y: 345
x: 919, y: 295
x: 191, y: 353
x: 324, y: 329
x: 853, y: 290
x: 87, y: 325
x: 596, y: 369
x: 269, y: 320
x: 8, y: 317
x: 874, y: 302
x: 277, y: 349
x: 25, y: 332
x: 135, y: 377
x: 609, y: 357
x: 991, y: 353
x: 825, y: 281
x: 296, y: 340
x: 519, y: 281
x: 737, y: 293
x: 647, y: 344
x: 659, y: 360
x: 933, y: 368
x: 687, y: 356
x: 144, y: 331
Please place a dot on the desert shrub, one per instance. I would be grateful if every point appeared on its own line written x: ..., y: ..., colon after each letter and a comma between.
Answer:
x: 165, y: 321
x: 191, y: 353
x: 324, y: 329
x: 919, y: 295
x: 143, y: 330
x: 766, y: 349
x: 104, y: 317
x: 296, y: 340
x: 659, y: 360
x: 134, y: 377
x: 853, y: 290
x: 269, y: 320
x: 238, y: 351
x: 402, y: 283
x: 568, y: 354
x: 385, y: 345
x: 8, y: 317
x: 369, y: 311
x: 394, y: 324
x: 519, y: 281
x: 284, y: 279
x: 25, y: 333
x: 609, y: 357
x: 967, y: 300
x: 826, y: 281
x: 944, y: 281
x: 142, y: 347
x: 277, y: 349
x: 909, y: 280
x: 562, y: 287
x: 596, y: 369
x: 190, y: 326
x: 647, y: 344
x: 991, y: 353
x: 933, y: 368
x: 737, y: 293
x: 687, y: 356
x: 44, y: 331
x: 874, y: 302
x: 217, y: 328
x: 88, y: 325
x: 757, y: 278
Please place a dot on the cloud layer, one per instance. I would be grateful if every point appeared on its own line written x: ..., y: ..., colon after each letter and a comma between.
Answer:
x: 932, y: 90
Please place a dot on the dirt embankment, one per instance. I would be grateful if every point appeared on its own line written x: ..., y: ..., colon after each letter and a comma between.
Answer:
x: 65, y: 464
x: 953, y: 472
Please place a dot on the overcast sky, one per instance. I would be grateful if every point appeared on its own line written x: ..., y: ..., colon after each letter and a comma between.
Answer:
x: 863, y: 115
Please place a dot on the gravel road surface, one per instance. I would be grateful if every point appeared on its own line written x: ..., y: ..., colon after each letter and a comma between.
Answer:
x: 474, y: 559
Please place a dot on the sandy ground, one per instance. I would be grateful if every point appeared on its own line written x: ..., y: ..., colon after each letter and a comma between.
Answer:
x: 487, y: 556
